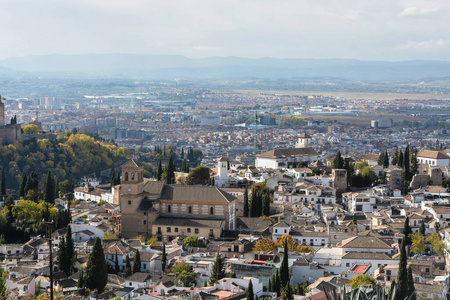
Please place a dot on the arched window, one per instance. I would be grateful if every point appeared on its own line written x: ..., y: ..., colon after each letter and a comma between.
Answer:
x: 132, y: 176
x: 190, y: 209
x: 126, y: 176
x: 211, y: 210
x: 169, y: 208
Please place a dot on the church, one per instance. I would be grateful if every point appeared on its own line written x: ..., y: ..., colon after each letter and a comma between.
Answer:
x: 153, y: 208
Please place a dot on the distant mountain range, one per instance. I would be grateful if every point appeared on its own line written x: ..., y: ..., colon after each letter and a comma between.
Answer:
x: 175, y: 66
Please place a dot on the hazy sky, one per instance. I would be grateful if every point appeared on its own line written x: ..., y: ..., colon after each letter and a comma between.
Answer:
x: 360, y: 29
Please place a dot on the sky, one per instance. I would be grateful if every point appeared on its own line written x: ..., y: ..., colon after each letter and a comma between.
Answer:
x: 390, y: 30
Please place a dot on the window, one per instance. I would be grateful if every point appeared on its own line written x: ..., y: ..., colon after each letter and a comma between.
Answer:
x: 285, y: 231
x: 347, y: 264
x: 190, y: 209
x: 176, y: 229
x: 126, y: 176
x: 276, y: 230
x: 145, y: 222
x: 169, y: 208
x: 159, y: 230
x: 129, y: 202
x: 196, y: 230
x: 189, y: 230
x: 145, y: 214
x: 211, y: 210
x: 168, y: 229
x: 132, y: 176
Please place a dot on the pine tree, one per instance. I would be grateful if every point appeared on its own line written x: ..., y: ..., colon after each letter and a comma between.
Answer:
x: 163, y: 258
x: 284, y: 269
x: 218, y: 271
x: 137, y: 262
x: 170, y: 171
x: 402, y: 278
x: 410, y: 278
x: 96, y: 270
x: 49, y: 189
x: 3, y: 183
x: 70, y: 251
x: 250, y: 295
x: 116, y: 264
x: 61, y: 255
x: 246, y: 207
x: 23, y: 183
x: 159, y: 171
x: 128, y: 270
x: 422, y: 228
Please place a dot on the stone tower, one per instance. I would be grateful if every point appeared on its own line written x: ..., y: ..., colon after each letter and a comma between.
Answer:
x: 132, y: 182
x: 303, y: 141
x: 340, y: 180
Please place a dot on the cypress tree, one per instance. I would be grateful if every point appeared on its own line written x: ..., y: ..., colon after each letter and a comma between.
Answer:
x: 137, y: 262
x: 81, y: 283
x: 407, y: 230
x: 246, y: 208
x: 400, y: 159
x: 170, y: 171
x: 402, y: 278
x: 422, y: 228
x: 287, y: 295
x: 182, y: 153
x: 266, y: 205
x: 96, y: 270
x: 380, y: 161
x: 406, y: 163
x: 163, y: 258
x: 410, y: 278
x: 395, y: 157
x: 113, y: 179
x: 128, y: 270
x: 284, y: 269
x: 277, y: 284
x: 70, y: 251
x: 56, y: 195
x: 23, y: 183
x: 159, y: 171
x: 218, y: 271
x: 250, y: 295
x: 49, y: 189
x: 117, y: 181
x: 254, y: 204
x: 61, y: 255
x: 269, y: 286
x: 386, y: 160
x: 116, y: 264
x: 260, y: 204
x: 3, y: 183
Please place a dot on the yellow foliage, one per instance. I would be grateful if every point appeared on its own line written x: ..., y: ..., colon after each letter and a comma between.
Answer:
x: 110, y: 236
x: 265, y: 245
x: 152, y: 241
x: 30, y: 129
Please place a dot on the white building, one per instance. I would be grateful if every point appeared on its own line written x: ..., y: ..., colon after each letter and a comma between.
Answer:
x: 434, y: 158
x: 283, y: 158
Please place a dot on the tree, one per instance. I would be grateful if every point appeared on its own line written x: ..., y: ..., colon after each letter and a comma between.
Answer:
x: 411, y: 288
x: 380, y: 161
x: 163, y: 258
x: 3, y: 183
x: 438, y: 245
x: 400, y: 159
x: 338, y: 162
x: 354, y: 220
x: 70, y: 252
x: 184, y: 272
x: 406, y: 165
x: 287, y: 295
x: 96, y: 270
x: 170, y: 171
x: 386, y: 160
x: 159, y: 172
x: 254, y: 204
x: 30, y: 129
x: 395, y: 157
x: 193, y: 241
x: 265, y: 245
x: 362, y: 279
x: 402, y: 278
x: 81, y: 282
x: 218, y: 271
x: 246, y: 206
x: 250, y: 295
x: 284, y: 269
x: 113, y: 179
x: 128, y: 271
x: 23, y: 183
x: 266, y: 205
x: 437, y: 225
x: 49, y: 195
x: 109, y: 235
x: 418, y: 243
x: 407, y: 230
x: 199, y: 175
x: 278, y: 283
x: 116, y: 264
x: 61, y: 255
x: 422, y: 228
x: 137, y: 262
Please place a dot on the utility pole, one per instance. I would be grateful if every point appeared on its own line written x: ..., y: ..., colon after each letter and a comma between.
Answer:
x: 51, y: 257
